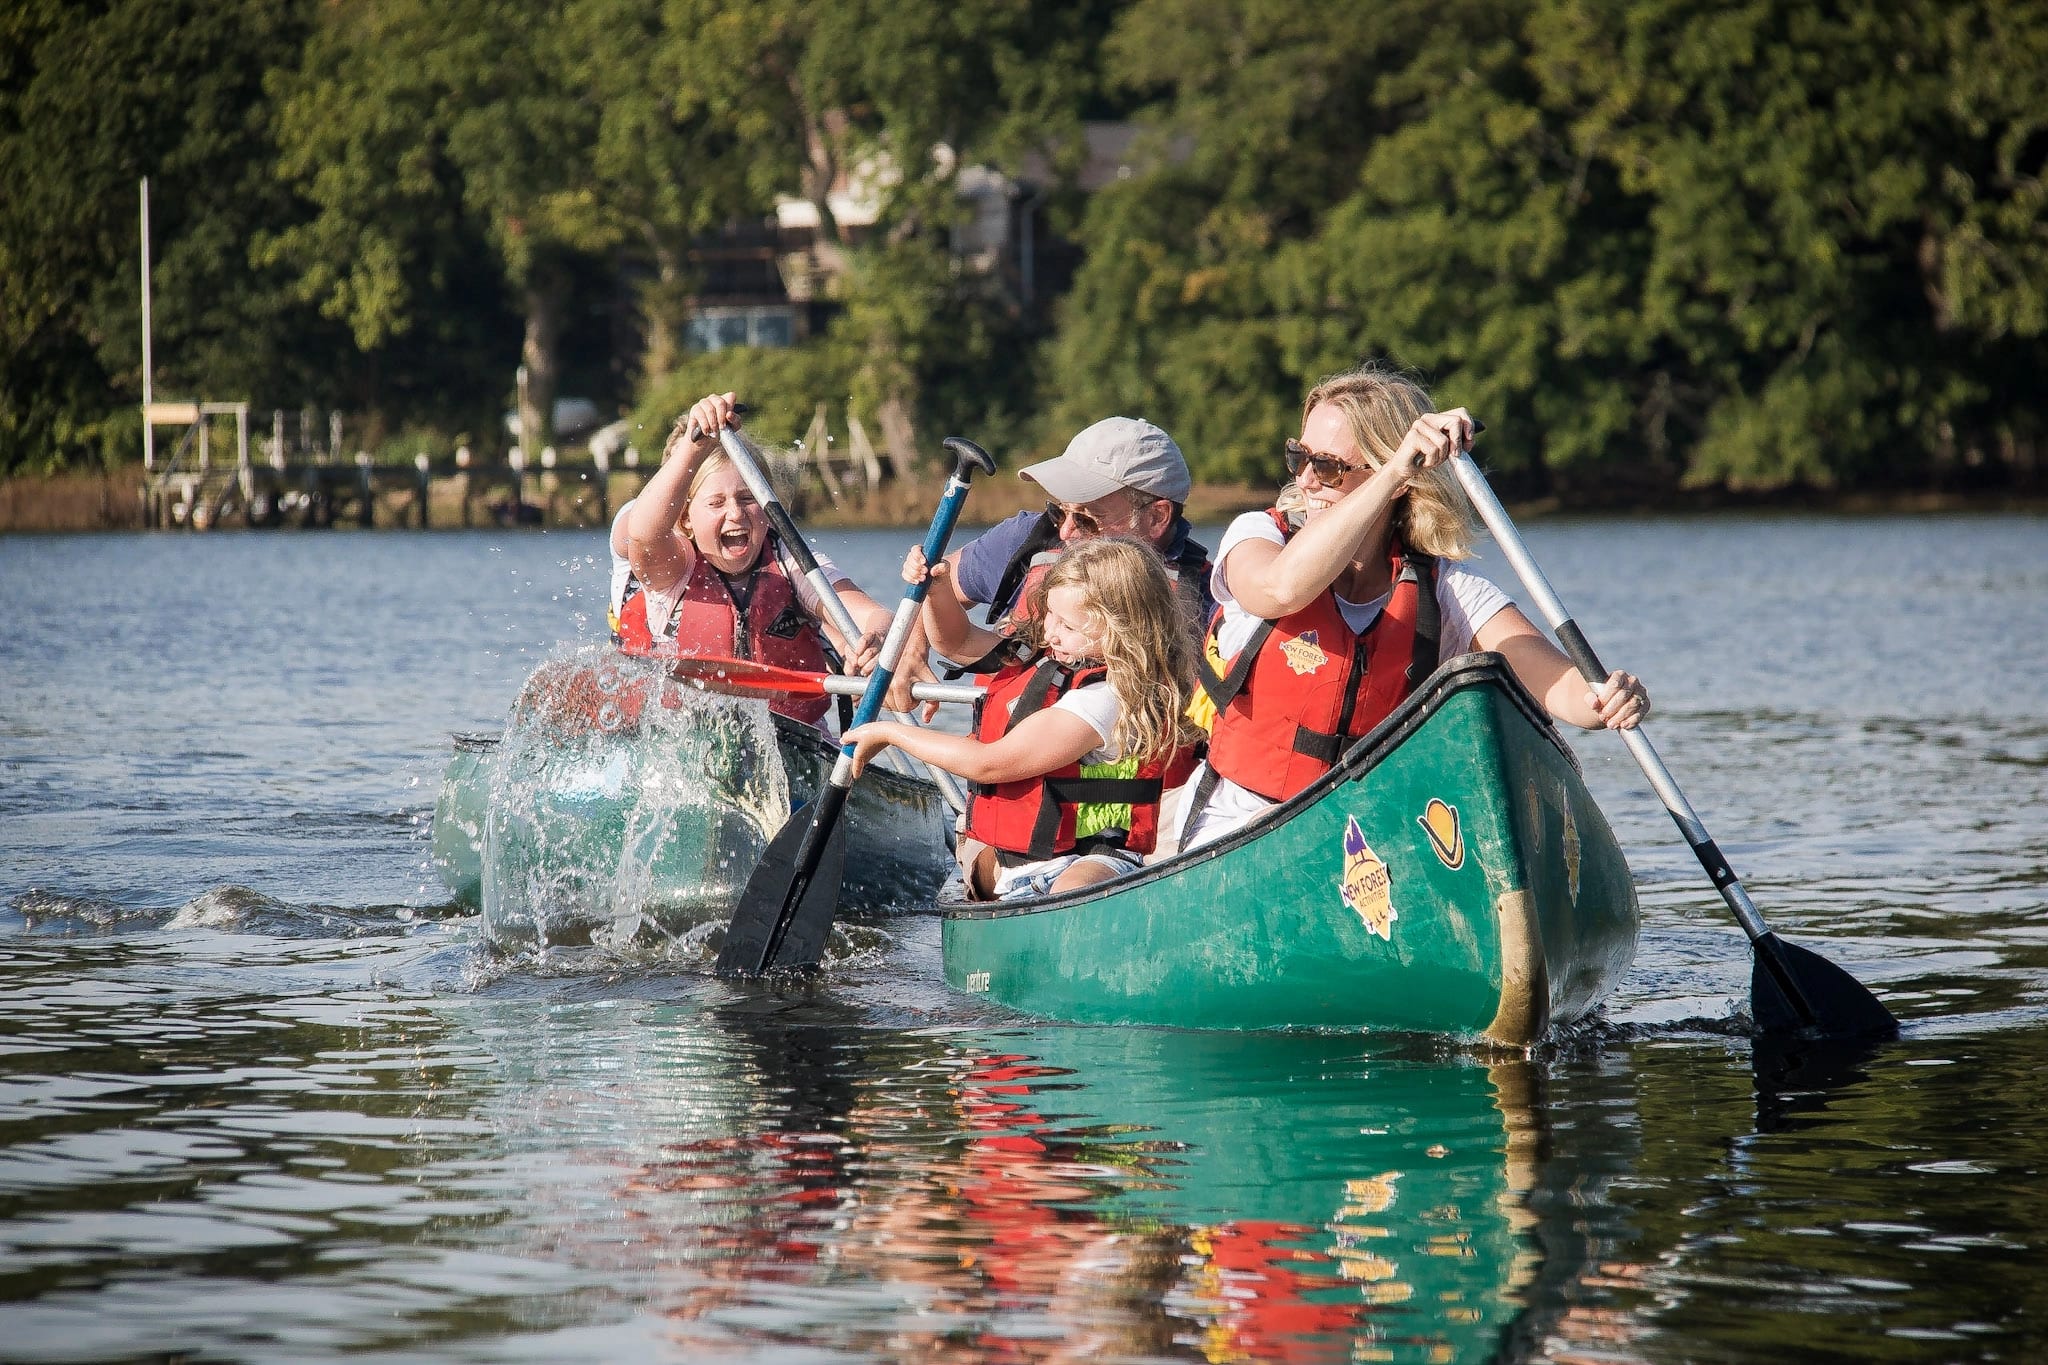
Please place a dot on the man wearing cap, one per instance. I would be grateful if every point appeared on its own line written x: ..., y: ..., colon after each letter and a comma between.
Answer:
x: 1122, y: 476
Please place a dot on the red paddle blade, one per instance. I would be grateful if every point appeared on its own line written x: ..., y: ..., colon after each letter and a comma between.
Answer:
x: 746, y: 678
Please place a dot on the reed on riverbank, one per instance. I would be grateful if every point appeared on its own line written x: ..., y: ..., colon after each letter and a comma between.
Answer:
x: 75, y: 500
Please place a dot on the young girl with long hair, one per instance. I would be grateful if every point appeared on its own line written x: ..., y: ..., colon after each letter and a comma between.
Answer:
x: 1080, y: 731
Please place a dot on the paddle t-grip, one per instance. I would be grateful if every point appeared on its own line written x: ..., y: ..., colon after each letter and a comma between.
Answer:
x: 970, y: 457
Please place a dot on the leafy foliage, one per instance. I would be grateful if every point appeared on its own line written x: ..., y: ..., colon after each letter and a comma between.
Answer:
x: 1745, y: 246
x: 1658, y: 244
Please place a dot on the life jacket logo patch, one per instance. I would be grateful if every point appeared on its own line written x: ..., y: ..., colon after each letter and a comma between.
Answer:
x: 1439, y: 820
x: 1304, y: 653
x: 1365, y: 884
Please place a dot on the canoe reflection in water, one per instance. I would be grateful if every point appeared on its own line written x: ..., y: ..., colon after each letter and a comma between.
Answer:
x: 1069, y: 1194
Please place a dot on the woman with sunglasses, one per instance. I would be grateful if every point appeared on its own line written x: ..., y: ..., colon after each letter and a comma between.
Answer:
x: 1339, y: 600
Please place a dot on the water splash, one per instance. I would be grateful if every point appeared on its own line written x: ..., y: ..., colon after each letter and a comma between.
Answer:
x: 624, y: 811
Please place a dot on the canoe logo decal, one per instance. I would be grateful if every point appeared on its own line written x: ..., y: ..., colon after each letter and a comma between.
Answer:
x: 1304, y: 653
x: 1439, y: 820
x: 1571, y: 850
x: 977, y: 982
x: 1367, y: 888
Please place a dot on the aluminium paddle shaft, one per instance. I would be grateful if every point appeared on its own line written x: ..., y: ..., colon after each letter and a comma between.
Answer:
x: 1805, y: 981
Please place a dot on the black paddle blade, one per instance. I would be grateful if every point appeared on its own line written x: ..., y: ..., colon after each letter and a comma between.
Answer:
x: 791, y: 878
x: 803, y: 937
x: 1796, y: 992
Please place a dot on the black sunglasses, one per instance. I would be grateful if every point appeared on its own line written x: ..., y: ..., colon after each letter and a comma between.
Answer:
x: 1086, y: 522
x: 1329, y: 469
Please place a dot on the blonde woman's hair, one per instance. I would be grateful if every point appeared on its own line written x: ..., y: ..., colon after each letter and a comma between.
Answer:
x: 1147, y: 650
x: 1379, y: 404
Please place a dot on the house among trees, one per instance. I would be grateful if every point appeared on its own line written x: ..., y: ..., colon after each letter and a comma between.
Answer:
x: 770, y: 282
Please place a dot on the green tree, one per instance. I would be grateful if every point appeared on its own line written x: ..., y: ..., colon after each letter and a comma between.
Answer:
x: 1847, y: 234
x: 93, y: 97
x: 1654, y: 241
x: 414, y: 129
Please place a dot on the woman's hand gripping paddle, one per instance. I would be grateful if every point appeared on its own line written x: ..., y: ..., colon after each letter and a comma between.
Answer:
x: 787, y: 908
x: 1792, y: 991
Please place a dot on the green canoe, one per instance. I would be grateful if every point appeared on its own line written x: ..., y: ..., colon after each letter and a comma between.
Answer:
x: 1451, y: 875
x: 618, y: 807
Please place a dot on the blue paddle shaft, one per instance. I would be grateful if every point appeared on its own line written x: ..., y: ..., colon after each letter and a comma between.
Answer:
x: 747, y: 951
x: 906, y: 613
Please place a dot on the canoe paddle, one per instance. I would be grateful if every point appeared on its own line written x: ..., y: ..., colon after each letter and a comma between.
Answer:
x: 748, y: 678
x: 742, y: 456
x: 787, y: 908
x: 1792, y: 991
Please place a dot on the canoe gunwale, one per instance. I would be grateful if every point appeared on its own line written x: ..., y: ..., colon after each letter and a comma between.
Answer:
x: 1477, y: 669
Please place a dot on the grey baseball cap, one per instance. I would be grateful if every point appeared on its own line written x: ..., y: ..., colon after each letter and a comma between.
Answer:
x: 1117, y: 452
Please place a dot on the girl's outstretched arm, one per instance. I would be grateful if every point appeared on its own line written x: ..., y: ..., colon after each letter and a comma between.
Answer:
x: 1044, y: 743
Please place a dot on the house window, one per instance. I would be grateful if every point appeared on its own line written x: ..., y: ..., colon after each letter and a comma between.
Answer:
x: 714, y: 329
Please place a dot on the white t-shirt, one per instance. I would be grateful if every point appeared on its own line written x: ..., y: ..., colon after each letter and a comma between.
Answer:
x: 1465, y: 602
x: 1098, y: 705
x: 661, y: 606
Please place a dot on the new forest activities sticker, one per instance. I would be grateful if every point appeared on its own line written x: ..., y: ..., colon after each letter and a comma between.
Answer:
x: 1304, y: 653
x: 1366, y: 887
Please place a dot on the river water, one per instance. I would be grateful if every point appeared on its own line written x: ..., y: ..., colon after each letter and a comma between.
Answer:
x: 266, y: 1097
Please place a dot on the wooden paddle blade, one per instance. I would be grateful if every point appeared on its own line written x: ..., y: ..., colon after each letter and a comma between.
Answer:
x: 786, y: 881
x: 1796, y: 992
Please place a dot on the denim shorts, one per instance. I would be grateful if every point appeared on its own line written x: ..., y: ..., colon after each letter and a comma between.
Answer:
x: 1036, y: 879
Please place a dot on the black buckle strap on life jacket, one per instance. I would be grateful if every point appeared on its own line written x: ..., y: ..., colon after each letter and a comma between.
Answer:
x: 1103, y: 841
x: 1198, y: 799
x: 1224, y: 690
x: 1104, y: 791
x: 1064, y: 791
x: 1042, y: 537
x: 1031, y: 700
x: 1325, y: 748
x: 991, y: 662
x: 1429, y: 617
x: 1419, y: 570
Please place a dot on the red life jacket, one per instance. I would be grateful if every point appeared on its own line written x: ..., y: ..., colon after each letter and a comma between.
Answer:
x: 1304, y: 686
x: 768, y: 627
x: 1036, y: 816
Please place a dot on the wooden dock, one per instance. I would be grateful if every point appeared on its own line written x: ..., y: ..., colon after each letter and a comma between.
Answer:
x: 304, y: 479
